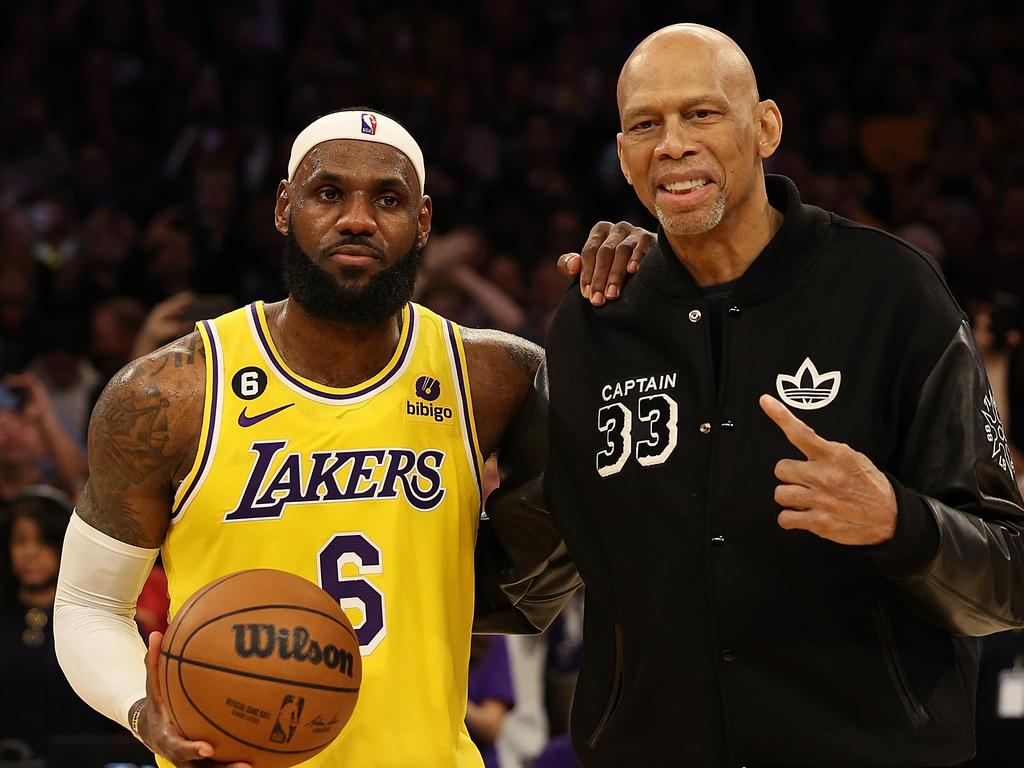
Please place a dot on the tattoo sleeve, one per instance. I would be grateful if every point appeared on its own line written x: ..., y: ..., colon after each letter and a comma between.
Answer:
x: 132, y: 457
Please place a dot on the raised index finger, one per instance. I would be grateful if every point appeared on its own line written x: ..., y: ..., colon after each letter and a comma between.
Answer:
x: 799, y: 434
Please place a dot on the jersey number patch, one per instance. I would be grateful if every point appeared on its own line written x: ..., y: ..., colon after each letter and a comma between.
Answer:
x: 355, y: 593
x: 658, y: 417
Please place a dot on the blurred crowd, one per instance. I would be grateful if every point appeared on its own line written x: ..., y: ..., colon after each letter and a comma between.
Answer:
x: 141, y: 143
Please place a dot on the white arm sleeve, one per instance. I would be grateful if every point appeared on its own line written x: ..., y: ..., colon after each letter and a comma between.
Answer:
x: 97, y: 642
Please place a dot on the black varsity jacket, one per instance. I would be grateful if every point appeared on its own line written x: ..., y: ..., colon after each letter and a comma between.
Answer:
x: 712, y: 636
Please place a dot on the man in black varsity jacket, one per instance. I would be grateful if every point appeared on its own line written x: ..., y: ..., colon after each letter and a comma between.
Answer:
x: 775, y: 460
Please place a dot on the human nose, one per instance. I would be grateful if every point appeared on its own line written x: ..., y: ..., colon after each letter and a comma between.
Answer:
x: 675, y: 141
x: 357, y: 217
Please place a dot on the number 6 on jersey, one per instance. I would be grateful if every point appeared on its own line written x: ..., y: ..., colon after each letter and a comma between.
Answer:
x: 355, y: 592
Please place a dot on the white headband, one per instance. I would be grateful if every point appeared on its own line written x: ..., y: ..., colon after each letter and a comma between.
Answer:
x: 361, y: 126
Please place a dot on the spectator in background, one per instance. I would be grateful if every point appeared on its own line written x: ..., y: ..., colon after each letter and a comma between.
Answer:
x: 113, y: 327
x: 169, y: 248
x: 214, y: 216
x: 101, y: 265
x: 31, y: 532
x: 70, y: 379
x: 1000, y: 708
x: 454, y: 287
x: 17, y: 315
x: 34, y: 446
x: 166, y: 321
x: 490, y: 694
x: 525, y: 730
x: 547, y: 286
x: 544, y: 669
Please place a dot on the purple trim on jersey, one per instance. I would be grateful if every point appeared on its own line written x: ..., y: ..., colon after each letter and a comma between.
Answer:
x: 463, y: 381
x: 341, y: 398
x: 214, y: 362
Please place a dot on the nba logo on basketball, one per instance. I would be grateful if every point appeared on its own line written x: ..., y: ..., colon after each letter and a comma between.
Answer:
x: 369, y: 123
x: 287, y: 719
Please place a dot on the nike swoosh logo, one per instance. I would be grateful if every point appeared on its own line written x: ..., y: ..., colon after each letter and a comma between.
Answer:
x: 247, y: 421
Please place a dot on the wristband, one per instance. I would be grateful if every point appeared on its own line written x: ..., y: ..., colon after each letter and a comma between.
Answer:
x: 134, y: 721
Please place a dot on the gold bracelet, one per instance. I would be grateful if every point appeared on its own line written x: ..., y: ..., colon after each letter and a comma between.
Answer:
x: 135, y: 718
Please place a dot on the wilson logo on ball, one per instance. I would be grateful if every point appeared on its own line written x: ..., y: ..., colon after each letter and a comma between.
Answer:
x: 262, y: 640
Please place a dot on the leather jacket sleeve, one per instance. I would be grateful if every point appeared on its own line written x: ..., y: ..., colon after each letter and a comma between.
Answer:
x: 524, y: 575
x: 958, y: 553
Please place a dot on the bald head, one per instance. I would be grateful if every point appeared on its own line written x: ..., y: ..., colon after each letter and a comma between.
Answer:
x: 684, y: 46
x: 694, y: 132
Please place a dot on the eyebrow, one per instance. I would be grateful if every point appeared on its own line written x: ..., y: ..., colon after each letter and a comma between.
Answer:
x: 394, y: 181
x: 326, y: 176
x: 330, y: 177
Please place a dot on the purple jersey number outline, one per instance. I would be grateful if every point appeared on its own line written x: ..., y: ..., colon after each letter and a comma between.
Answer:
x: 355, y: 591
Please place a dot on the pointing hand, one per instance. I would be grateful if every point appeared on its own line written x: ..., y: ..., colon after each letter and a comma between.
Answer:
x: 837, y: 493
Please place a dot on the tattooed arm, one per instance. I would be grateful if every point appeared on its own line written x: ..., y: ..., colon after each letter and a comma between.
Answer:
x: 523, y: 573
x: 143, y: 438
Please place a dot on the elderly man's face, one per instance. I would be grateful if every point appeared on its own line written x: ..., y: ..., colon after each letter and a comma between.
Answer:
x: 691, y: 140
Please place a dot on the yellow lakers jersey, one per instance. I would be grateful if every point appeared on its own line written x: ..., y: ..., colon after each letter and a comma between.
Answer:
x: 372, y: 492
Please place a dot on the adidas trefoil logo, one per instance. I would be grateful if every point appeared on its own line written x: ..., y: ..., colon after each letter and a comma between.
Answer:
x: 808, y: 390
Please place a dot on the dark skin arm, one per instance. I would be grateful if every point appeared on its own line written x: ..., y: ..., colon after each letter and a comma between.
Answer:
x: 501, y: 368
x: 523, y: 573
x: 143, y: 438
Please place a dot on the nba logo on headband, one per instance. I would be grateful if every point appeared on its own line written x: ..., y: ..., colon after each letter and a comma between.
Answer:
x: 359, y: 126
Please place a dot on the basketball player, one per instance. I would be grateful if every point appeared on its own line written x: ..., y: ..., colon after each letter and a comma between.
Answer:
x: 338, y: 435
x: 787, y: 580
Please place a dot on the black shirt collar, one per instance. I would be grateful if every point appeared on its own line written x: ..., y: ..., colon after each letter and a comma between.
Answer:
x: 791, y: 251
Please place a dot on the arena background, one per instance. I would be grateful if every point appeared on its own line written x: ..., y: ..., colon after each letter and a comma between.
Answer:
x: 141, y: 143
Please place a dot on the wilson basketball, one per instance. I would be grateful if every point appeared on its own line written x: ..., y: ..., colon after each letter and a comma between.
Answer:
x: 262, y: 664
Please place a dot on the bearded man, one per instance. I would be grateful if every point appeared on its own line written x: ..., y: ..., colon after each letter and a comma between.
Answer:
x: 343, y: 426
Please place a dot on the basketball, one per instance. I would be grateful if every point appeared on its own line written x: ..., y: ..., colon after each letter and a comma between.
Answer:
x: 262, y: 664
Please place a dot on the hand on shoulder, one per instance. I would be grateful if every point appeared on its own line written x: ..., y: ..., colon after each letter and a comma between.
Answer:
x: 611, y: 252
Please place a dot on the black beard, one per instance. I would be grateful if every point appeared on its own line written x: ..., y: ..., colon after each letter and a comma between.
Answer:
x: 320, y: 295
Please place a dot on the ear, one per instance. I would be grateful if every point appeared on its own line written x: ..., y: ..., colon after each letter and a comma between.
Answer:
x: 622, y: 162
x: 282, y: 207
x: 424, y: 219
x: 769, y: 128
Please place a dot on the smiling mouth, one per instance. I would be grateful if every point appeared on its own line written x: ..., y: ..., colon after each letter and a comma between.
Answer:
x: 677, y: 187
